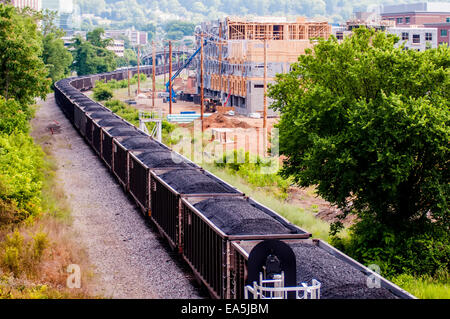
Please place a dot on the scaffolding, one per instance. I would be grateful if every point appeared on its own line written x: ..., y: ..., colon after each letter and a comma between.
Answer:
x: 235, y: 57
x: 241, y: 29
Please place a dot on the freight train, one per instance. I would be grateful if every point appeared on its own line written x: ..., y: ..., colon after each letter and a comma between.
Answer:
x: 236, y: 247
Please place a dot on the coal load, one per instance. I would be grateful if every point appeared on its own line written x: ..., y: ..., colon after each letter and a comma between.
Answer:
x: 163, y: 159
x: 124, y: 131
x: 81, y: 98
x: 236, y: 216
x: 88, y: 104
x: 192, y: 181
x: 102, y: 115
x: 136, y: 143
x: 339, y: 279
x: 95, y: 108
x: 110, y: 122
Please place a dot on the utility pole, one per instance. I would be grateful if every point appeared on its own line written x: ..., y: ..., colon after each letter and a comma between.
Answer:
x: 170, y: 77
x: 139, y: 75
x: 265, y: 84
x: 201, y: 80
x: 165, y: 62
x: 220, y: 59
x: 154, y: 71
x: 265, y: 97
x: 128, y: 74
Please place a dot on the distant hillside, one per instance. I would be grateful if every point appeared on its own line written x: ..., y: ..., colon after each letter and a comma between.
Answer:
x: 147, y: 14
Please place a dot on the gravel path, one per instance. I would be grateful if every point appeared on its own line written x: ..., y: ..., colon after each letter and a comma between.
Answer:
x: 130, y: 259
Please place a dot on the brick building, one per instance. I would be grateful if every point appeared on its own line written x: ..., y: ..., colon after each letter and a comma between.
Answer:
x: 426, y: 14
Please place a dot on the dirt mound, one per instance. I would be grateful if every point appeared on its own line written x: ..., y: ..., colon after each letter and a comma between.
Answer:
x: 218, y: 120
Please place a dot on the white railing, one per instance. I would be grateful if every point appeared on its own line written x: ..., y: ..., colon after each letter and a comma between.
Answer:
x: 275, y: 289
x: 155, y: 117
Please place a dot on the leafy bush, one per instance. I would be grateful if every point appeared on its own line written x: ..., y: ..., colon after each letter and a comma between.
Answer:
x: 21, y: 176
x: 102, y: 91
x: 124, y: 111
x: 13, y: 116
x: 251, y: 169
x: 416, y: 251
x: 22, y: 255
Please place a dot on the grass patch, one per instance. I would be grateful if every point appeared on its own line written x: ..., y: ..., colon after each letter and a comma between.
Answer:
x: 425, y: 287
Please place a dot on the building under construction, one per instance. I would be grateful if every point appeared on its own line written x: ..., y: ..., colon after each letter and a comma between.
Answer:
x: 234, y: 56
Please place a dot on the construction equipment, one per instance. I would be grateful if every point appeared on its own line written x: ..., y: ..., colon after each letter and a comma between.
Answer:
x: 188, y: 61
x: 211, y: 105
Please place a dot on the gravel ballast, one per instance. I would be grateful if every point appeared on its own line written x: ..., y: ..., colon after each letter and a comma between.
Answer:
x: 129, y: 259
x: 339, y: 280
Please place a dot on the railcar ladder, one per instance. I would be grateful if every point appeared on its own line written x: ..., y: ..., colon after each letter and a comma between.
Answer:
x: 275, y: 289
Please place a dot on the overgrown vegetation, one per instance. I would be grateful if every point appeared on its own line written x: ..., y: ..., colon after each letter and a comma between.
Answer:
x: 369, y: 125
x: 34, y: 247
x: 250, y: 168
x: 102, y: 92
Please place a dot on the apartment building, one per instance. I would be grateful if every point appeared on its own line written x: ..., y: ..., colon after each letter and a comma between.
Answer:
x: 33, y: 4
x: 416, y: 13
x: 233, y: 61
x: 416, y: 38
x: 135, y: 37
x: 118, y: 47
x: 435, y: 15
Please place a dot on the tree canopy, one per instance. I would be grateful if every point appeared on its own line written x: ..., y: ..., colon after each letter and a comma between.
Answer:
x: 138, y: 13
x: 23, y: 74
x: 369, y: 125
x: 91, y: 56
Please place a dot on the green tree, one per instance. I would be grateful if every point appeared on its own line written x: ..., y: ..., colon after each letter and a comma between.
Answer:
x: 369, y: 125
x: 91, y: 56
x: 23, y: 75
x: 95, y: 37
x: 56, y: 57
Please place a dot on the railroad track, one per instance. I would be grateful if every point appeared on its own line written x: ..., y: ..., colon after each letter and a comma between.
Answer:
x: 236, y: 247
